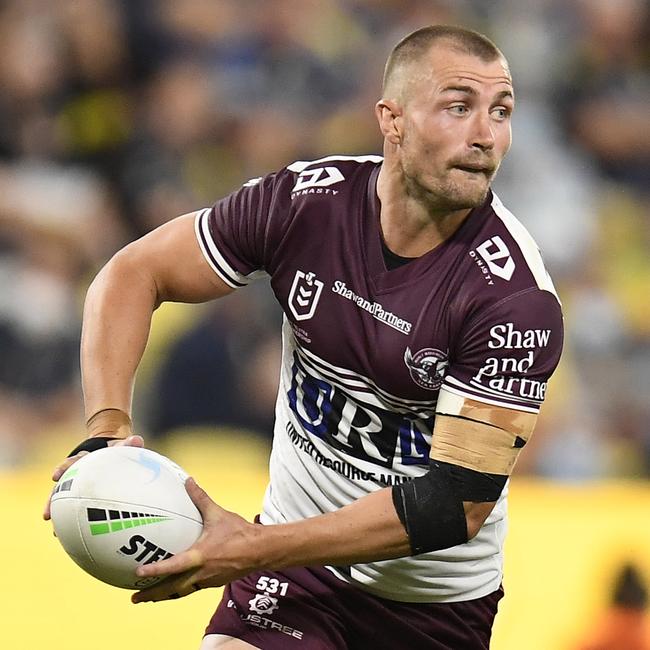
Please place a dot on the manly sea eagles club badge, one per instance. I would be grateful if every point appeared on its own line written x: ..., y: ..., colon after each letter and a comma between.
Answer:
x: 427, y: 367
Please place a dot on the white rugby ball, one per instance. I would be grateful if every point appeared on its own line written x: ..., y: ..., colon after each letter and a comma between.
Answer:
x: 120, y: 507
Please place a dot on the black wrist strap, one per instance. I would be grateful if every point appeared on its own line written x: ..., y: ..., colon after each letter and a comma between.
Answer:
x: 91, y: 444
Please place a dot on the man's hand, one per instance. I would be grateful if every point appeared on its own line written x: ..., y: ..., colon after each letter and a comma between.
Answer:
x: 221, y: 554
x: 130, y: 441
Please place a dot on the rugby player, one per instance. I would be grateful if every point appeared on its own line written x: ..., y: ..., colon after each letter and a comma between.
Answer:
x: 420, y: 331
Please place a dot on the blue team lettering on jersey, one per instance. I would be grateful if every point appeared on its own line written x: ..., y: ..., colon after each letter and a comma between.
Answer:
x: 366, y: 432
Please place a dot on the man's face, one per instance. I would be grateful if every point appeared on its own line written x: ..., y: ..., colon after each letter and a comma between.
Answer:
x: 455, y: 127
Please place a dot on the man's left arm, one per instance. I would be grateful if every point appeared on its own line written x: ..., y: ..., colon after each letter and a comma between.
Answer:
x: 486, y: 412
x: 445, y: 507
x: 366, y: 530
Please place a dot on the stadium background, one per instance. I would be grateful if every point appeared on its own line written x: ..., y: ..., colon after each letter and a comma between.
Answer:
x: 116, y: 116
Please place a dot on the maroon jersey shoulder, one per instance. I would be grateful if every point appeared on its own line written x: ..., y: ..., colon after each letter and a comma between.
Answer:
x: 478, y: 315
x: 245, y: 232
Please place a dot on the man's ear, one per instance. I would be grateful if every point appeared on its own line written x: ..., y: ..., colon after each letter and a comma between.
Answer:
x: 389, y: 116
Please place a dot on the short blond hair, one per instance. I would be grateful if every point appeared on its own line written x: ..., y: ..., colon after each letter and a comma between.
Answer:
x: 416, y: 44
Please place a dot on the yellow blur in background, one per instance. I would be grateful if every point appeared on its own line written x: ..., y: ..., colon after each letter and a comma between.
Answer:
x: 565, y: 546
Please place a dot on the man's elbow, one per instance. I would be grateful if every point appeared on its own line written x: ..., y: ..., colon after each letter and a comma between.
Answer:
x: 126, y: 270
x: 475, y: 515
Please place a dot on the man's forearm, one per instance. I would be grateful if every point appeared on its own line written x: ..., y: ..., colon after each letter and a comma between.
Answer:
x: 116, y: 323
x: 366, y: 530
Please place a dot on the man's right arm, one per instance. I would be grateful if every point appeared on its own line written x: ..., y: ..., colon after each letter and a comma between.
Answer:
x: 165, y: 265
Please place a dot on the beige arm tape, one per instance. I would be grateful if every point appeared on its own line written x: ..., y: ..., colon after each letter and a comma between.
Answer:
x: 109, y: 422
x: 479, y: 436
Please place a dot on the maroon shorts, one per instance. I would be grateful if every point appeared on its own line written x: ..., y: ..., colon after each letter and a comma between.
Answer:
x: 311, y: 609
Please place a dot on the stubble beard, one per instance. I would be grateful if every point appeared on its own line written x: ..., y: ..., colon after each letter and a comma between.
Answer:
x: 466, y: 195
x: 448, y: 195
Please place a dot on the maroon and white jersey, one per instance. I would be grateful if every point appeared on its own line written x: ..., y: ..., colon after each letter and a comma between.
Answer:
x: 370, y: 354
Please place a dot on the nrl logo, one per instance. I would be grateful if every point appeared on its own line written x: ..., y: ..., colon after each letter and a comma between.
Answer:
x: 304, y: 295
x: 427, y: 367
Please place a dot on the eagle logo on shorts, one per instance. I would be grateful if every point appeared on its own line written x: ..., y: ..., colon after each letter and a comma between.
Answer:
x: 427, y: 367
x: 263, y: 604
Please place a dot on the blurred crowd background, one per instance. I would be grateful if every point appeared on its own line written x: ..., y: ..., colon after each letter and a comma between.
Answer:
x: 116, y: 116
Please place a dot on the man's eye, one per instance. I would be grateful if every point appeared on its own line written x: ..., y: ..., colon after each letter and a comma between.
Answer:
x: 458, y: 109
x: 501, y: 112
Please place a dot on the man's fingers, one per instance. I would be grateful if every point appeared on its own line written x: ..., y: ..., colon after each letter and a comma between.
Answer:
x: 46, y: 510
x: 60, y: 470
x: 169, y: 589
x: 185, y: 561
x: 132, y: 441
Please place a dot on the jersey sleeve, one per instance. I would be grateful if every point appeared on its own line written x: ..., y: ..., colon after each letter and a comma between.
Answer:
x: 236, y: 234
x: 508, y: 352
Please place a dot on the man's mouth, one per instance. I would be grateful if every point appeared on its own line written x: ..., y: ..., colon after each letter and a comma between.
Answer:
x: 475, y: 169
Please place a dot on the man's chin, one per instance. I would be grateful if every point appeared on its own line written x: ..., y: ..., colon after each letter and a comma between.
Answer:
x: 456, y: 196
x: 468, y: 198
x: 472, y: 189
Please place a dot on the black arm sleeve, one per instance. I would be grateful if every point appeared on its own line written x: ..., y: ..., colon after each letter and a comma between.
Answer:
x: 430, y: 507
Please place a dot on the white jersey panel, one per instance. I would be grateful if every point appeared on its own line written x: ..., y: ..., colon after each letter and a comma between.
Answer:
x: 527, y: 245
x: 309, y: 476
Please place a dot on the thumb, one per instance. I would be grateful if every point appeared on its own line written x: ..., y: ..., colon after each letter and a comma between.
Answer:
x: 200, y: 498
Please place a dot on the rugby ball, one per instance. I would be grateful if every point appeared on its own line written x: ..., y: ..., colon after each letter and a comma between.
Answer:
x: 120, y: 507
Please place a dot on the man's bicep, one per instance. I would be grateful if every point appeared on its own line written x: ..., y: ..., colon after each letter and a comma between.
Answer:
x: 479, y: 444
x: 496, y: 382
x: 172, y: 256
x: 479, y: 436
x: 474, y: 447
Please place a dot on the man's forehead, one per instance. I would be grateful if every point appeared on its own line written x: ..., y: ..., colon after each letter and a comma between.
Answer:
x: 446, y: 66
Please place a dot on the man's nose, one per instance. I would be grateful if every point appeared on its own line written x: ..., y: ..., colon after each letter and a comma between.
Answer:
x: 482, y: 136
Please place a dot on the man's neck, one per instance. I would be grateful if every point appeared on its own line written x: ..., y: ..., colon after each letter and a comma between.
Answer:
x: 409, y: 226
